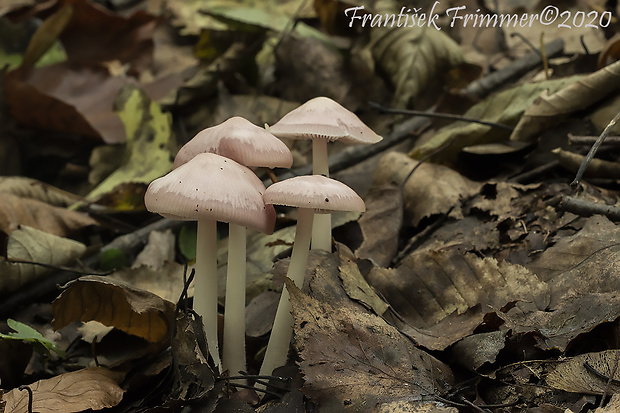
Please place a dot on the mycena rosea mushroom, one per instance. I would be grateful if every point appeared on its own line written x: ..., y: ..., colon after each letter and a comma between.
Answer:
x: 207, y: 189
x: 311, y: 194
x: 323, y: 120
x: 251, y: 146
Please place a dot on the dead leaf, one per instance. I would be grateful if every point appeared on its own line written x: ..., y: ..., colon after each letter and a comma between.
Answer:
x: 25, y: 187
x: 505, y: 107
x: 67, y: 98
x: 159, y: 250
x: 15, y: 212
x: 461, y: 288
x: 412, y: 58
x: 32, y: 245
x: 381, y: 224
x: 354, y: 361
x: 114, y: 303
x: 46, y: 35
x: 597, y: 168
x: 477, y: 349
x: 166, y: 281
x: 591, y: 373
x: 549, y: 107
x: 432, y: 189
x: 92, y: 388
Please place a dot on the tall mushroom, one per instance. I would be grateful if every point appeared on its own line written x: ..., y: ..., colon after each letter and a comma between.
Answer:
x: 251, y: 146
x: 210, y: 188
x: 323, y: 120
x: 311, y: 194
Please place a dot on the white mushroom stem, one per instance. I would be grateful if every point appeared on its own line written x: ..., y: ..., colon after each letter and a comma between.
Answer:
x: 234, y: 311
x: 205, y: 284
x: 282, y: 330
x: 322, y: 227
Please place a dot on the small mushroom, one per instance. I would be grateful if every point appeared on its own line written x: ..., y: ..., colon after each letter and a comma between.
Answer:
x: 311, y: 194
x: 251, y: 146
x: 207, y: 189
x: 323, y: 120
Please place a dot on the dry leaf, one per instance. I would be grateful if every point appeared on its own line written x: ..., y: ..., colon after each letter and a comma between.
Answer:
x: 114, y: 303
x: 413, y: 58
x: 354, y: 361
x: 548, y: 109
x: 92, y: 388
x: 587, y: 373
x: 597, y: 168
x: 32, y: 245
x: 24, y: 187
x: 15, y: 212
x: 432, y: 189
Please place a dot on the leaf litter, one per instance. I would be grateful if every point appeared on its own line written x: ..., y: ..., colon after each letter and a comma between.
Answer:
x: 456, y: 290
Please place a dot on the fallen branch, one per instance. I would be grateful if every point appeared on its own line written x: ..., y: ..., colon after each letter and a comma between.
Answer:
x: 587, y: 208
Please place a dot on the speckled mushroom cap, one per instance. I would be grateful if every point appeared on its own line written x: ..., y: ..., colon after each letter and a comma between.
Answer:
x: 316, y: 192
x: 323, y: 118
x: 241, y: 141
x: 211, y: 186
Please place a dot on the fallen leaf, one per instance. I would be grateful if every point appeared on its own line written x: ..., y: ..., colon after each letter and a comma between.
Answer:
x: 159, y: 250
x: 550, y: 107
x: 25, y: 187
x: 477, y: 349
x: 26, y: 333
x: 590, y: 373
x: 412, y: 58
x: 355, y: 361
x: 432, y: 189
x: 148, y: 137
x: 29, y: 244
x: 114, y: 303
x: 165, y: 281
x: 597, y: 168
x: 92, y: 388
x: 16, y: 212
x: 505, y: 107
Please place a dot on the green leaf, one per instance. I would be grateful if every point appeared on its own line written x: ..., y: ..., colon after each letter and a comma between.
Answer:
x: 113, y: 259
x: 24, y: 332
x: 187, y: 241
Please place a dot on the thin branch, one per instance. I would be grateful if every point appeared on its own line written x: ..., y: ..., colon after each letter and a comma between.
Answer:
x: 586, y: 208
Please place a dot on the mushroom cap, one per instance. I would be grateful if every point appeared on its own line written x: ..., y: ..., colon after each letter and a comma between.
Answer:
x: 241, y: 141
x: 323, y: 118
x: 314, y: 191
x: 211, y: 186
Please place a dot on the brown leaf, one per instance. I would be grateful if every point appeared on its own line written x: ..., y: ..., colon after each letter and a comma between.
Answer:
x: 15, y: 211
x: 588, y: 373
x: 355, y: 361
x: 114, y: 303
x: 381, y: 224
x: 445, y: 284
x: 547, y: 110
x: 432, y: 189
x: 597, y: 168
x: 92, y: 388
x: 67, y: 98
x: 24, y: 187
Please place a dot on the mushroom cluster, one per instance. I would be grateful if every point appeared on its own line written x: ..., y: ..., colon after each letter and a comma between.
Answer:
x: 212, y: 181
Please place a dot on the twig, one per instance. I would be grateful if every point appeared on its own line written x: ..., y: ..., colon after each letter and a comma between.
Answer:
x: 56, y: 267
x: 587, y: 208
x: 30, y: 396
x: 438, y: 115
x: 589, y: 140
x: 526, y: 176
x: 47, y: 286
x: 593, y: 150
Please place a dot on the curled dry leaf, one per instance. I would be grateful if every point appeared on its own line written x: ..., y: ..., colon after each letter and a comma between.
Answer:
x: 116, y: 304
x: 30, y: 244
x: 355, y: 361
x: 591, y: 373
x: 92, y: 388
x: 597, y: 168
x: 432, y: 189
x: 412, y: 58
x: 15, y: 212
x: 549, y: 108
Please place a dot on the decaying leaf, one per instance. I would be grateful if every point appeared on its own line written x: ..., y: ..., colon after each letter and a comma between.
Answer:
x: 92, y: 388
x: 381, y: 224
x: 16, y: 212
x: 354, y: 361
x: 597, y: 168
x: 551, y: 107
x: 29, y: 244
x: 24, y: 187
x: 432, y: 189
x: 114, y: 303
x: 412, y: 58
x: 592, y: 373
x: 505, y: 107
x: 147, y: 155
x: 165, y: 281
x: 446, y: 284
